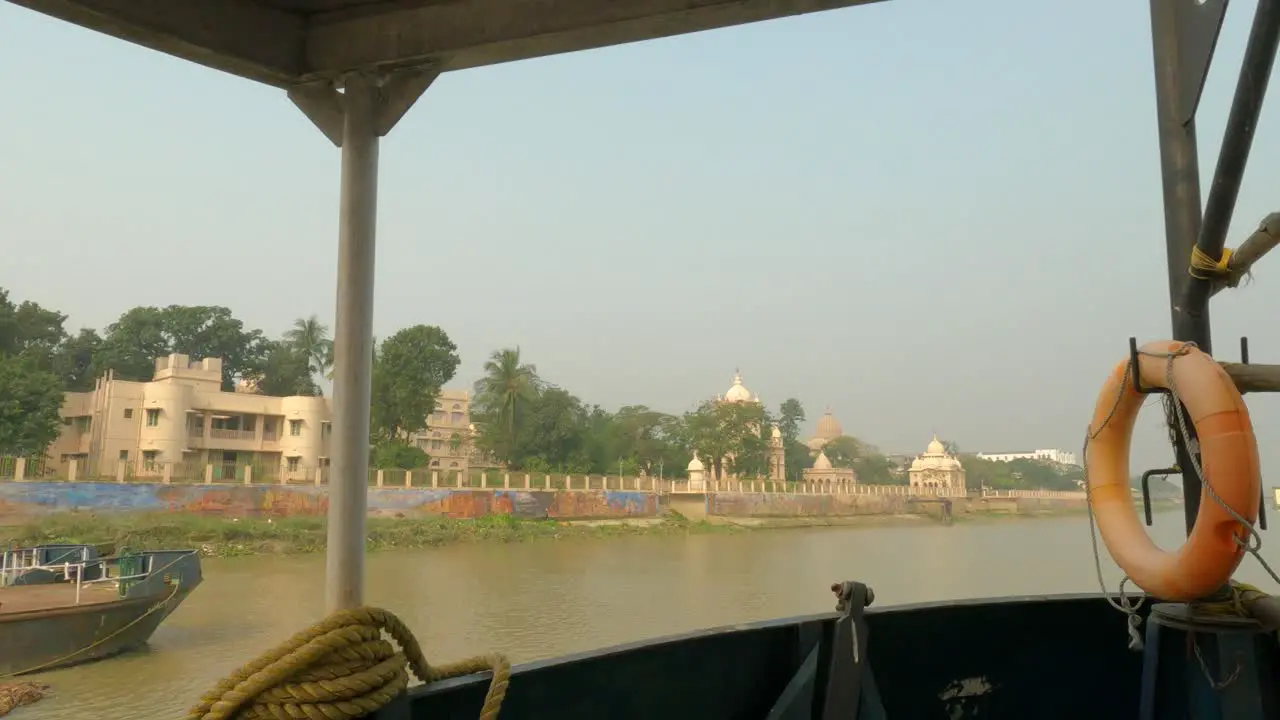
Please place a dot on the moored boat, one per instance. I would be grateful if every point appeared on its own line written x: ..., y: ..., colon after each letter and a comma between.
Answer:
x: 65, y: 604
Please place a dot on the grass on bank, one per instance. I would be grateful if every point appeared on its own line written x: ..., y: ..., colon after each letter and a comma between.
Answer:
x: 225, y: 537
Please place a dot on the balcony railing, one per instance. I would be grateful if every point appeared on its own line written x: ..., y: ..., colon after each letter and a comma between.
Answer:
x: 195, y: 430
x: 270, y: 435
x: 224, y: 434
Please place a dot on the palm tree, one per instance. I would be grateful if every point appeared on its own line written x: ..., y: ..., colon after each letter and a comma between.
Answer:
x: 507, y: 386
x: 311, y: 337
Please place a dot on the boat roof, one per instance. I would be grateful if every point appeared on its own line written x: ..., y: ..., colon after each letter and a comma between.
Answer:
x: 288, y: 42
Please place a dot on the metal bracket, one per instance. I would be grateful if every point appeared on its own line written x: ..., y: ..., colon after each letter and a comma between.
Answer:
x: 323, y: 103
x: 1146, y: 487
x: 842, y: 662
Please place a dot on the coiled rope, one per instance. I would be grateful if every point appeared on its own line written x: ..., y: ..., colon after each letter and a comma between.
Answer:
x: 18, y: 694
x: 338, y: 669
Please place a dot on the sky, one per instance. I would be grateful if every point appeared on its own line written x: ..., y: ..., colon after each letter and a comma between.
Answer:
x: 932, y: 217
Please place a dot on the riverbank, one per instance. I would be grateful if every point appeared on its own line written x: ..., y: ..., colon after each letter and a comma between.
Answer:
x: 234, y: 537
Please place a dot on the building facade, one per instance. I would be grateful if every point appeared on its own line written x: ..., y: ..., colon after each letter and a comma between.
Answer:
x: 936, y: 468
x: 183, y: 417
x: 1062, y: 457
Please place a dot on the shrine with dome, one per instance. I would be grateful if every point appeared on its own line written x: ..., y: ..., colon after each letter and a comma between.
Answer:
x: 936, y: 468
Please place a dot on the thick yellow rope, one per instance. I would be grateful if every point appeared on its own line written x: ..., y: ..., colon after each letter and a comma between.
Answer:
x: 19, y: 694
x: 340, y: 668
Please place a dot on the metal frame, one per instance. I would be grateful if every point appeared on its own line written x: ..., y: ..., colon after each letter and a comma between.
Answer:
x: 1184, y: 35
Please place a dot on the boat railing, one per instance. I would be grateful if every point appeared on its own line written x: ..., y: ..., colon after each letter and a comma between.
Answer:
x: 76, y: 572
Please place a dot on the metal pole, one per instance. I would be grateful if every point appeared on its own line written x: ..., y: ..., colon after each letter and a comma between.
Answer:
x: 1181, y: 185
x: 353, y: 347
x: 1237, y: 139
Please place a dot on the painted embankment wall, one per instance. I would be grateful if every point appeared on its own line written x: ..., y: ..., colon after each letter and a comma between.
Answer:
x: 762, y: 505
x: 25, y: 501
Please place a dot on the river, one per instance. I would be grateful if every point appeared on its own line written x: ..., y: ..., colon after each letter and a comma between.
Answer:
x: 548, y: 598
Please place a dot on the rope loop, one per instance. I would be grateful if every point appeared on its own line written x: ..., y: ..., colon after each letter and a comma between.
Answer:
x: 339, y: 669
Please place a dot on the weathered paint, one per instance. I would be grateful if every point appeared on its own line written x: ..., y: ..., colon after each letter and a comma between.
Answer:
x: 20, y: 501
x: 762, y: 505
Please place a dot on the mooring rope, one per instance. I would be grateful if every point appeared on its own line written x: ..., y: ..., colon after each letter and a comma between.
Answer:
x: 340, y: 668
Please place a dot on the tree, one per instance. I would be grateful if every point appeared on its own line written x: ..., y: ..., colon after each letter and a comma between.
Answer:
x: 409, y: 368
x: 508, y: 385
x: 30, y: 406
x: 139, y: 336
x: 30, y: 330
x: 790, y: 415
x: 872, y: 467
x: 311, y: 337
x: 796, y: 454
x: 734, y: 432
x: 552, y: 433
x: 286, y: 370
x: 74, y: 359
x: 394, y: 454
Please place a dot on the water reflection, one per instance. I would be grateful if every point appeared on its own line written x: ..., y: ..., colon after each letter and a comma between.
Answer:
x: 542, y: 599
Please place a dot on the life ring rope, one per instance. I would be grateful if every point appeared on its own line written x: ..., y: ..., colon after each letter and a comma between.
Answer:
x: 1252, y: 544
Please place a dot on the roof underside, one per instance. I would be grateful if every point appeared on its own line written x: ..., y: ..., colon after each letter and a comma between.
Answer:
x: 287, y: 42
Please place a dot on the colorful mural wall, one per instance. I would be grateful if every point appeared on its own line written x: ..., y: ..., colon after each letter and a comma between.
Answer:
x: 22, y: 501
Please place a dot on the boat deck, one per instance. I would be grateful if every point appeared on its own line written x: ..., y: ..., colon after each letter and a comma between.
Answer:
x: 28, y: 598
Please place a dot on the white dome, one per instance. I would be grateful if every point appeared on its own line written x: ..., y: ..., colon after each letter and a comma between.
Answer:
x: 695, y: 464
x: 822, y: 463
x: 739, y: 392
x: 776, y: 432
x: 936, y: 447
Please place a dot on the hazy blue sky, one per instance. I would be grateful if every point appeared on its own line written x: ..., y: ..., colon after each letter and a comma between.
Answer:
x: 932, y: 216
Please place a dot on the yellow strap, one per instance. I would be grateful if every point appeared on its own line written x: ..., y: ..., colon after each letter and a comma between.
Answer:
x: 1204, y: 267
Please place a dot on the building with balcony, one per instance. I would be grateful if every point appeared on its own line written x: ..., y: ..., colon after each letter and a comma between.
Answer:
x: 183, y: 417
x: 447, y: 438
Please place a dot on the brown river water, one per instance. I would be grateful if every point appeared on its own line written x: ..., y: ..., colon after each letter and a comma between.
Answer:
x: 546, y: 598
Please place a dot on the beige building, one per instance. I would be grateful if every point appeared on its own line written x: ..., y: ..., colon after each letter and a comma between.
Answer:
x: 828, y: 429
x: 822, y: 473
x: 936, y: 469
x: 447, y: 438
x: 183, y: 418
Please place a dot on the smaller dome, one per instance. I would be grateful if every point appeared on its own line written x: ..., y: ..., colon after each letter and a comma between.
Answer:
x: 936, y: 447
x: 776, y: 432
x: 822, y: 463
x: 695, y: 464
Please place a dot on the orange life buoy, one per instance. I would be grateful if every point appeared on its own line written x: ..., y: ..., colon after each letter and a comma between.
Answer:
x: 1229, y: 460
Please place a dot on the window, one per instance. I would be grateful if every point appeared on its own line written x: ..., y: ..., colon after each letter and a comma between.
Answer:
x: 295, y: 427
x: 124, y: 454
x: 128, y: 413
x: 149, y: 458
x: 291, y: 464
x: 68, y: 420
x: 153, y: 417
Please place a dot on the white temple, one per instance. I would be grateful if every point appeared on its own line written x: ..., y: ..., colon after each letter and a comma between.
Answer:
x: 776, y: 461
x: 936, y: 468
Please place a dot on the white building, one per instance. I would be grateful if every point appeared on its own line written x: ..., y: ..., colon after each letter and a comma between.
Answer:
x: 1062, y: 457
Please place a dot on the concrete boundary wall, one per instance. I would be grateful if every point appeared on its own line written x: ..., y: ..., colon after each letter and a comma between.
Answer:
x: 21, y: 502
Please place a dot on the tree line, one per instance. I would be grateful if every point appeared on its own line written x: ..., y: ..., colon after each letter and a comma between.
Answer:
x: 523, y: 422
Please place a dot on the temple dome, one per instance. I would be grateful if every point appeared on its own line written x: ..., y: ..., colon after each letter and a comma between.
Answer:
x: 739, y: 392
x: 936, y: 447
x: 828, y: 427
x: 695, y: 464
x: 822, y: 463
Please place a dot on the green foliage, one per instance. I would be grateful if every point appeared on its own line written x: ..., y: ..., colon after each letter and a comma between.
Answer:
x: 502, y: 397
x: 409, y: 368
x: 1020, y: 474
x: 134, y: 341
x: 736, y: 432
x: 310, y: 337
x: 390, y: 454
x: 286, y: 370
x: 872, y: 467
x: 30, y: 406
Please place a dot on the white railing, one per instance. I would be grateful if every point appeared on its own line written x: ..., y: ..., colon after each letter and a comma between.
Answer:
x: 15, y: 563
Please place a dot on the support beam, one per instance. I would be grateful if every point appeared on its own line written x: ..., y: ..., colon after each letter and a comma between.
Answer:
x: 1262, y: 241
x: 237, y: 36
x: 354, y: 119
x: 1253, y: 378
x: 484, y: 32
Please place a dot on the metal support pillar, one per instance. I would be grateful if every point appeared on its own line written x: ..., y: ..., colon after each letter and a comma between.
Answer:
x: 354, y: 119
x: 353, y: 347
x: 1179, y: 163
